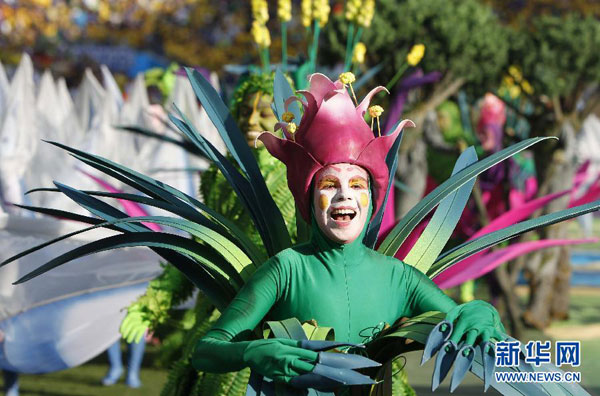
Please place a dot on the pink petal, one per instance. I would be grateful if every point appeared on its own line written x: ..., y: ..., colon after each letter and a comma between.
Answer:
x: 364, y: 104
x: 320, y: 85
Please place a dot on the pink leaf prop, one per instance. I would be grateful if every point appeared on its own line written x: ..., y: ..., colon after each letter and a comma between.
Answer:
x: 508, y: 218
x: 517, y: 214
x: 133, y: 209
x: 457, y: 274
x: 592, y: 194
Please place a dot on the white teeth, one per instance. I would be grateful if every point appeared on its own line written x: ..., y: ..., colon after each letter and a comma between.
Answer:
x: 343, y: 211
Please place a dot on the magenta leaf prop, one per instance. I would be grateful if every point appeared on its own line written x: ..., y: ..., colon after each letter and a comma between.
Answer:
x: 479, y: 266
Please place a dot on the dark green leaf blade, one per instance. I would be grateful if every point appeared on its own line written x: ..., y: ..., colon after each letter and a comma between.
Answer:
x: 471, y: 247
x: 398, y: 235
x: 444, y: 220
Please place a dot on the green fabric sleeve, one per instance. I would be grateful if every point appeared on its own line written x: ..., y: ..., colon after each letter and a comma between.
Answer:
x: 221, y: 350
x: 424, y: 295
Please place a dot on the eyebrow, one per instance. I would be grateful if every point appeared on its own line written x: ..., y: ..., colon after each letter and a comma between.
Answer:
x: 358, y: 177
x: 327, y: 178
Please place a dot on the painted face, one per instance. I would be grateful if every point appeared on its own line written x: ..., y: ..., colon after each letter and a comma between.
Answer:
x: 256, y: 116
x: 341, y: 201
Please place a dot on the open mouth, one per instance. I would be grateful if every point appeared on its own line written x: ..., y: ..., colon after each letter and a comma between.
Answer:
x: 343, y: 214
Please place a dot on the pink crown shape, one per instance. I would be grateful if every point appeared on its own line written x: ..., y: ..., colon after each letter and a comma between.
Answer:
x: 332, y: 130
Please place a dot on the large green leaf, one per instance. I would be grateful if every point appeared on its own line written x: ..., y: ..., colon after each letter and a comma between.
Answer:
x: 185, y: 211
x: 238, y: 148
x: 281, y: 92
x: 402, y: 230
x: 239, y: 266
x: 164, y: 192
x: 223, y: 291
x: 235, y: 260
x: 184, y: 144
x: 270, y: 232
x: 471, y: 247
x: 391, y: 160
x: 444, y: 220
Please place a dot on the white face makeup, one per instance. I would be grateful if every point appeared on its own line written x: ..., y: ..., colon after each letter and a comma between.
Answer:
x: 341, y: 201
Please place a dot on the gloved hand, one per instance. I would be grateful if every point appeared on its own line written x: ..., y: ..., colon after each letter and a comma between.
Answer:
x: 279, y: 359
x: 135, y: 324
x: 473, y: 320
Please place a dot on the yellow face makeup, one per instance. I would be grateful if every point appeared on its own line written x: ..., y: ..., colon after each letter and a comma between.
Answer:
x: 323, y: 202
x: 364, y: 200
x: 341, y: 201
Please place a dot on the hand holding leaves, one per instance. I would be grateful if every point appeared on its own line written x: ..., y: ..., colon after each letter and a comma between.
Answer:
x: 279, y: 359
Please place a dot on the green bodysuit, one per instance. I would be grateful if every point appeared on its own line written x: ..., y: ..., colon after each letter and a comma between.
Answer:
x: 348, y: 287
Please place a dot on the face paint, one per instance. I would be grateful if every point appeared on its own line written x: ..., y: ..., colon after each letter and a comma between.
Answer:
x: 323, y: 202
x: 364, y: 200
x: 341, y: 201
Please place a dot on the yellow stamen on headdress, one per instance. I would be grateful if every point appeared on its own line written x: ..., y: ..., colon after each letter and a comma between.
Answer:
x: 375, y: 111
x: 349, y: 78
x: 288, y: 116
x: 291, y: 128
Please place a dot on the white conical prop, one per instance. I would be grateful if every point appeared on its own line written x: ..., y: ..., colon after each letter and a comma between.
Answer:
x: 4, y: 86
x: 88, y: 101
x: 47, y: 103
x: 18, y: 133
x: 137, y: 103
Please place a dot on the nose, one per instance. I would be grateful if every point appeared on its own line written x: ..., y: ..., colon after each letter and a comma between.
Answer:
x: 343, y: 194
x: 255, y: 115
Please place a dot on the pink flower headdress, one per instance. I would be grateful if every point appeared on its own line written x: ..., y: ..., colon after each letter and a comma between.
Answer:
x: 332, y: 130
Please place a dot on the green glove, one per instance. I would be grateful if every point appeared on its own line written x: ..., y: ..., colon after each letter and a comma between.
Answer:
x: 276, y: 358
x: 279, y: 359
x: 135, y: 324
x: 473, y: 320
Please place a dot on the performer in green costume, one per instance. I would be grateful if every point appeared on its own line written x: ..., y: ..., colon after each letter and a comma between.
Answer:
x: 338, y: 173
x: 334, y: 161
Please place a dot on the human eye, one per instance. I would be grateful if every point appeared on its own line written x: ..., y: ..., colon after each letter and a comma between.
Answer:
x: 358, y: 184
x: 327, y: 184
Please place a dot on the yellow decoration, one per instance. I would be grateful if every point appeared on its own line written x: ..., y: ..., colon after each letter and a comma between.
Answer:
x: 514, y: 91
x: 527, y: 87
x: 347, y: 78
x: 291, y: 127
x: 284, y: 10
x: 288, y: 116
x: 358, y: 55
x: 515, y: 72
x: 366, y: 13
x: 323, y: 201
x: 375, y: 111
x: 364, y: 200
x: 260, y: 11
x: 261, y: 35
x: 320, y: 11
x: 416, y: 54
x: 352, y: 9
x: 306, y: 8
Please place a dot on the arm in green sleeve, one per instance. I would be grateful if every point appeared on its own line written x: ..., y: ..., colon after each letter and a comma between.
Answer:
x: 226, y: 347
x: 423, y: 294
x: 475, y: 320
